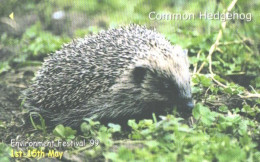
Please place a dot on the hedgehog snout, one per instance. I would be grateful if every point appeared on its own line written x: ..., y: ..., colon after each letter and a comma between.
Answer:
x: 187, y: 105
x: 190, y: 104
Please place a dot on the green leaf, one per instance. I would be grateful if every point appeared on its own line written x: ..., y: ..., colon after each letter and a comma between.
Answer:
x: 223, y: 108
x: 115, y: 127
x: 204, y: 114
x: 132, y: 124
x: 64, y: 132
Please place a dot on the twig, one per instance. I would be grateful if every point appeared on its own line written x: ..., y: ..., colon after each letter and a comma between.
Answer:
x: 250, y: 95
x: 234, y: 42
x: 215, y: 46
x: 250, y: 41
x: 238, y: 73
x: 219, y: 50
x: 196, y: 65
x: 220, y: 33
x: 129, y: 142
x: 252, y: 88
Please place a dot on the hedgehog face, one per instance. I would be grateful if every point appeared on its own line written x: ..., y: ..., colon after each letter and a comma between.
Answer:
x: 165, y: 80
x: 159, y: 89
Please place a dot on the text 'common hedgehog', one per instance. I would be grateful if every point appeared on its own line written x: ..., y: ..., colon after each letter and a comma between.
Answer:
x: 119, y: 74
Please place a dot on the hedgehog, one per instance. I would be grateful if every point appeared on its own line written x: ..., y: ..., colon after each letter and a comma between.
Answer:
x: 124, y: 73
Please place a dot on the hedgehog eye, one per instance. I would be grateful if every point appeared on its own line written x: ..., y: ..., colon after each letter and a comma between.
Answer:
x: 139, y: 73
x: 166, y: 85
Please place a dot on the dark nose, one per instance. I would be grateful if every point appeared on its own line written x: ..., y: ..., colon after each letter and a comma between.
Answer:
x: 190, y: 105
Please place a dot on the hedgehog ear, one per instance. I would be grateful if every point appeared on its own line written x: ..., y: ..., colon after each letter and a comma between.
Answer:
x: 139, y: 73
